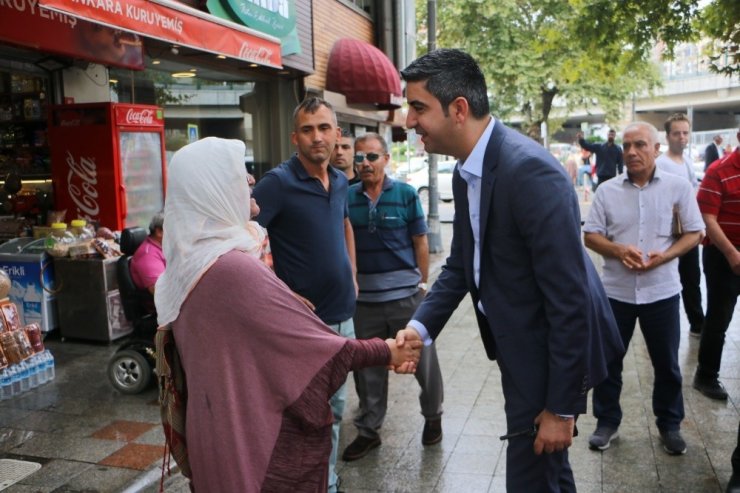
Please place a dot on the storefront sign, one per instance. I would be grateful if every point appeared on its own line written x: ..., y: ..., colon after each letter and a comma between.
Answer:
x: 277, y: 18
x: 25, y: 23
x: 175, y: 23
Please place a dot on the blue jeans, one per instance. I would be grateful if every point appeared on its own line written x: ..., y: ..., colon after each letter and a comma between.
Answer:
x: 661, y: 328
x: 583, y: 171
x: 337, y: 402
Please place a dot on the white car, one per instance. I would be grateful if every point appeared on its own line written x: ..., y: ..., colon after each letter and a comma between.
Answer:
x: 420, y: 181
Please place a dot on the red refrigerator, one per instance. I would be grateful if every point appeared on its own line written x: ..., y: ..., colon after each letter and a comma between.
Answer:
x: 108, y: 162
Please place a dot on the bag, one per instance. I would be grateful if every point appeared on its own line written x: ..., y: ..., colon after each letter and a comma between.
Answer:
x: 173, y: 399
x: 676, y: 226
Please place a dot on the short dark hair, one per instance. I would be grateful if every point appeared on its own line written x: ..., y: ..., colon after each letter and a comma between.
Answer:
x: 374, y: 136
x: 676, y: 117
x: 347, y: 134
x: 450, y: 74
x: 311, y: 105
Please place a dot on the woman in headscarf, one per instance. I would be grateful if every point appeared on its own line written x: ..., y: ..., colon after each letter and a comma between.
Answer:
x: 260, y: 365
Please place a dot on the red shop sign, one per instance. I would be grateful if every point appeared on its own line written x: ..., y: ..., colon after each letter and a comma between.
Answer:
x: 178, y: 24
x: 25, y: 23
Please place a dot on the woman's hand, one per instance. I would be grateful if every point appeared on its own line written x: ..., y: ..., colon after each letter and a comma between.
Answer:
x: 404, y: 359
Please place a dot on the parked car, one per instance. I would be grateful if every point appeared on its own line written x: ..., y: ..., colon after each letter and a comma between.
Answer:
x: 420, y: 181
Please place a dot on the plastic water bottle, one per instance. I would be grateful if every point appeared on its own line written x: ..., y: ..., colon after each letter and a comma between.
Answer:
x: 33, y: 367
x: 41, y: 368
x: 25, y: 376
x: 15, y: 379
x: 5, y: 385
x: 50, y: 370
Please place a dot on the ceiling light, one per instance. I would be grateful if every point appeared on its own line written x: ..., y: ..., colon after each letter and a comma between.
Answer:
x: 221, y: 57
x: 183, y: 75
x: 193, y: 69
x: 175, y: 50
x: 156, y: 62
x: 253, y: 65
x: 114, y: 81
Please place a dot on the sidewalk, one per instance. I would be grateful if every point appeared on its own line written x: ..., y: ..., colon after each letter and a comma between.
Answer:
x: 90, y: 438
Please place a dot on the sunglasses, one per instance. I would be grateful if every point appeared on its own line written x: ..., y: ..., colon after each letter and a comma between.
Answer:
x: 370, y: 156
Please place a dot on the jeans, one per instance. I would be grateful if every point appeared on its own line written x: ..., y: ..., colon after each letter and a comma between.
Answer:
x: 660, y: 324
x: 337, y: 402
x: 723, y: 288
x: 583, y: 172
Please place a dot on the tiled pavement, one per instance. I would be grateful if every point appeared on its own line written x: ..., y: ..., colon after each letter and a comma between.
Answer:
x: 90, y: 438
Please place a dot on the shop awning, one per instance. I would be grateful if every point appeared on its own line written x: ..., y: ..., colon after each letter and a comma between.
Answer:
x: 178, y: 24
x: 364, y: 74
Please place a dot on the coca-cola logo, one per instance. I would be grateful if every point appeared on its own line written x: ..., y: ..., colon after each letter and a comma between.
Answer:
x: 82, y: 181
x: 140, y: 117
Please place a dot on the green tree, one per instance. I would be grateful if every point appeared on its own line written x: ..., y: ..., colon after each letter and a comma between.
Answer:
x: 720, y: 21
x: 583, y: 52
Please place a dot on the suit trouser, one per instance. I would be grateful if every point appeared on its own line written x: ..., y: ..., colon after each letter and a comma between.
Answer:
x: 660, y: 324
x: 525, y: 471
x: 384, y: 320
x: 688, y: 269
x: 723, y: 288
x: 337, y: 403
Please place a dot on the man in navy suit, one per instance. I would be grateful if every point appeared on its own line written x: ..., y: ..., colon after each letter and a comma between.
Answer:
x: 516, y: 249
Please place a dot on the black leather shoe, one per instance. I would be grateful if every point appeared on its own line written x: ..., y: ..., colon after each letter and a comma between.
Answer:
x: 733, y: 486
x: 710, y: 387
x: 360, y: 448
x: 432, y: 432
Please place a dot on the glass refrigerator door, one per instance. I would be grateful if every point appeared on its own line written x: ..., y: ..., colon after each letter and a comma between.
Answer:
x: 141, y: 165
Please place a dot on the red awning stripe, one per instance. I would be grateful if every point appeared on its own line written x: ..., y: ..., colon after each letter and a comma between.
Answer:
x: 176, y: 23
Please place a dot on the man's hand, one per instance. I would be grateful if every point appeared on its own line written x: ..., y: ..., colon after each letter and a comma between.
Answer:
x: 631, y: 257
x: 554, y: 434
x: 734, y: 261
x: 654, y: 260
x: 404, y: 337
x: 404, y: 359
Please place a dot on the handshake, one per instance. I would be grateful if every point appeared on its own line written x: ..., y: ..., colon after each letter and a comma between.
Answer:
x: 405, y: 350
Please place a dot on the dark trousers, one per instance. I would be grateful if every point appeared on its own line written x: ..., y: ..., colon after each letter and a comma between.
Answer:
x: 723, y: 288
x: 525, y: 471
x: 660, y: 326
x: 688, y: 269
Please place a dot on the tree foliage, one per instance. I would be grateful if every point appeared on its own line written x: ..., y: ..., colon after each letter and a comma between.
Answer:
x: 570, y: 53
x: 720, y: 20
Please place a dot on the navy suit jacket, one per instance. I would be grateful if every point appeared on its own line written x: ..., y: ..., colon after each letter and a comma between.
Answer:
x: 547, y: 318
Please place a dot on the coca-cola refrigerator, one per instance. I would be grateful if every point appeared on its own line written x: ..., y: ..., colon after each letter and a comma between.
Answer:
x: 108, y: 162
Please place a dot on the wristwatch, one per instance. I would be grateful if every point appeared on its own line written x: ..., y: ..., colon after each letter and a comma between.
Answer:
x: 422, y: 285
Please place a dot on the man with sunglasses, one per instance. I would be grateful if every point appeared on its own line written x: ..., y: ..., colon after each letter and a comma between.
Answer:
x: 392, y: 269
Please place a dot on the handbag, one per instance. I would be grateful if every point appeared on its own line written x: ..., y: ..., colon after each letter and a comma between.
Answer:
x: 676, y: 226
x: 173, y: 400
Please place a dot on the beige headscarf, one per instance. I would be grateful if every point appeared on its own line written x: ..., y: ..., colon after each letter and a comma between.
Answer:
x: 206, y: 214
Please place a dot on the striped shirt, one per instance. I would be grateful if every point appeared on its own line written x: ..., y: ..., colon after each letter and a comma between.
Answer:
x: 719, y: 195
x: 384, y: 231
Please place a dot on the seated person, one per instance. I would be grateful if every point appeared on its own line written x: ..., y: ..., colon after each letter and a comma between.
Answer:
x: 148, y: 262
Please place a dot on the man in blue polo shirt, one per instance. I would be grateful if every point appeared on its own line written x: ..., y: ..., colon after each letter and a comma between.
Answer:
x: 392, y: 268
x: 303, y: 205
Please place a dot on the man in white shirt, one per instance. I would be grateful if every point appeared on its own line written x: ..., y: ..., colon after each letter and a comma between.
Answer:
x: 676, y: 162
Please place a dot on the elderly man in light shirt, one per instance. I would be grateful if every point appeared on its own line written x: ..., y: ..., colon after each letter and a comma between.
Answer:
x: 631, y: 225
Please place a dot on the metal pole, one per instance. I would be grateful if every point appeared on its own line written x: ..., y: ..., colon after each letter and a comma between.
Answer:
x: 434, y: 236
